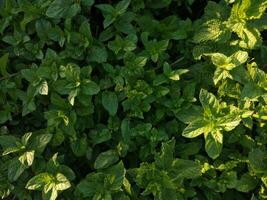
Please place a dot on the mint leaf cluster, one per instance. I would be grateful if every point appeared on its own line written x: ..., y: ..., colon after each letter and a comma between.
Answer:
x: 133, y: 99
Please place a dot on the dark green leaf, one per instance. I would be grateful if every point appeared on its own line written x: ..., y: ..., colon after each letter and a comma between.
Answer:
x: 3, y: 65
x: 105, y: 159
x: 213, y: 144
x: 15, y: 169
x: 90, y: 87
x: 110, y: 102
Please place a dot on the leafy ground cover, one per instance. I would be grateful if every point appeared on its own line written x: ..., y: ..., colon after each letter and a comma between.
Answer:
x: 133, y: 99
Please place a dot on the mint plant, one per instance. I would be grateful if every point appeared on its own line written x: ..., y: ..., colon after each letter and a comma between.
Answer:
x: 133, y: 99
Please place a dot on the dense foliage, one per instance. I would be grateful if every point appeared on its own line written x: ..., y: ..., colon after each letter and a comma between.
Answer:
x: 133, y: 99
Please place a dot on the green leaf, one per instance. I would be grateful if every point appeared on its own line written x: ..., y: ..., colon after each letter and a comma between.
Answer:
x: 155, y: 182
x: 248, y: 9
x: 251, y: 91
x: 50, y: 193
x: 140, y: 61
x: 229, y: 122
x: 256, y: 9
x: 100, y: 136
x: 264, y: 180
x: 246, y: 183
x: 250, y: 38
x: 196, y: 128
x: 125, y: 129
x: 186, y: 169
x: 127, y: 44
x: 28, y: 74
x: 213, y: 30
x: 209, y: 102
x: 111, y: 179
x: 109, y: 14
x: 175, y: 75
x: 213, y: 143
x: 228, y: 63
x: 220, y: 75
x: 25, y: 138
x: 189, y: 114
x: 257, y: 160
x: 4, y: 116
x: 79, y: 146
x: 90, y: 87
x: 88, y: 2
x: 39, y: 142
x: 10, y: 40
x: 110, y: 102
x: 220, y: 60
x: 8, y: 141
x: 165, y: 158
x: 91, y: 185
x: 27, y: 158
x: 42, y: 28
x: 105, y: 8
x: 62, y: 183
x: 3, y: 65
x: 58, y: 8
x: 98, y: 54
x: 123, y: 23
x: 86, y: 31
x: 105, y: 159
x: 115, y: 176
x: 39, y: 181
x: 10, y: 150
x: 122, y: 6
x: 56, y: 117
x: 15, y: 169
x: 239, y: 58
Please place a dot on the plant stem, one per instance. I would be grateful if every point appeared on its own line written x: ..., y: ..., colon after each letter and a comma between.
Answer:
x: 9, y: 76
